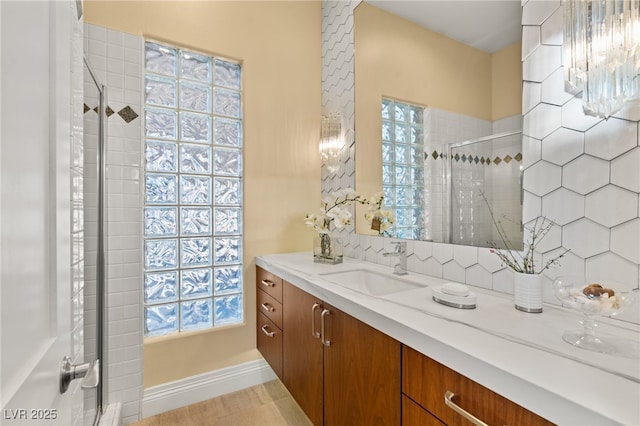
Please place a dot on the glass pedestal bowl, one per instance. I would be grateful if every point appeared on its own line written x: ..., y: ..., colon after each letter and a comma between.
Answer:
x: 595, y: 300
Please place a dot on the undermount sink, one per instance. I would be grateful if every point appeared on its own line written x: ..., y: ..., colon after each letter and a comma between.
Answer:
x: 370, y: 282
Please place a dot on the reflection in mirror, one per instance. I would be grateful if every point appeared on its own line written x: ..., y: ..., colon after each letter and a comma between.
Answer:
x: 485, y: 180
x: 421, y: 98
x: 403, y: 178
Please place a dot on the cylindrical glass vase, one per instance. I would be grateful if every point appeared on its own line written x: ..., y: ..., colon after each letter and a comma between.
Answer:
x: 527, y: 292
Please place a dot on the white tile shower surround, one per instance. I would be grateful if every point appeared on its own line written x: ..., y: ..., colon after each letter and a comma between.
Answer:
x: 575, y: 166
x: 77, y: 205
x: 117, y: 60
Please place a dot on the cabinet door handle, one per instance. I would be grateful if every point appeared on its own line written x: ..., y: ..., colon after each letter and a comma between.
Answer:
x: 448, y: 400
x: 268, y: 333
x: 314, y: 333
x: 267, y: 283
x: 267, y: 307
x: 324, y: 313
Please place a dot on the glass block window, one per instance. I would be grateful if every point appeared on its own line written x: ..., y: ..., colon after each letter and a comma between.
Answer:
x: 403, y: 166
x: 193, y: 191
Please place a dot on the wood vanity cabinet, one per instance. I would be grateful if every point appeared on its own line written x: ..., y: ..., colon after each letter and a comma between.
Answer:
x: 350, y: 374
x: 342, y: 371
x: 413, y: 414
x: 424, y: 383
x: 269, y: 318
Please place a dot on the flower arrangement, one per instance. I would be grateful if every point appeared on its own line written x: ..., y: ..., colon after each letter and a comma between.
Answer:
x: 381, y: 219
x: 334, y: 209
x: 523, y: 261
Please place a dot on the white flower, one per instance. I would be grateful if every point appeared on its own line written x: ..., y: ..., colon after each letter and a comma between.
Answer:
x: 383, y: 217
x: 310, y: 219
x: 341, y: 218
x: 376, y: 199
x: 389, y: 215
x: 317, y: 221
x: 334, y: 209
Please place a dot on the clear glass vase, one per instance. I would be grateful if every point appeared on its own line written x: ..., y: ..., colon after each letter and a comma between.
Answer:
x: 327, y: 249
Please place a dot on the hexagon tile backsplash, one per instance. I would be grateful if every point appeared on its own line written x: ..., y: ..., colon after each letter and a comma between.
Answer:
x: 580, y: 171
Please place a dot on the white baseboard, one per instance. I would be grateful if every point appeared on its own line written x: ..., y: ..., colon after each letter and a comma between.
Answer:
x: 180, y: 393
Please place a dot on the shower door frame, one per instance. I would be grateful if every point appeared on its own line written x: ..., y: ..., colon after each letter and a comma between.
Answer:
x: 100, y: 240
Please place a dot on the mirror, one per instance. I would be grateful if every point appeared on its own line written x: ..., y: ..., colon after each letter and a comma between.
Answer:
x: 439, y: 109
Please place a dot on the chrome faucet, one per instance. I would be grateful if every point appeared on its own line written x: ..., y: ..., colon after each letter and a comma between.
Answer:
x: 400, y: 268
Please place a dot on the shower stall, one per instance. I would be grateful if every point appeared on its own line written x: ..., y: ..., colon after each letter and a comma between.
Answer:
x: 113, y: 189
x: 95, y: 128
x: 484, y: 180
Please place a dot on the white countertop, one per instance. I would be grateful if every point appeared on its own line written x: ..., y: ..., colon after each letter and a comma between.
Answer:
x: 518, y: 355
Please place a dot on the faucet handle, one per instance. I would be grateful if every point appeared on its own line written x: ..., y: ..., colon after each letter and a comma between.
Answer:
x: 400, y: 252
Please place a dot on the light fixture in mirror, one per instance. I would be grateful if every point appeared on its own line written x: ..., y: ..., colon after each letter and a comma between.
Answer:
x: 331, y: 141
x: 602, y: 53
x: 462, y: 94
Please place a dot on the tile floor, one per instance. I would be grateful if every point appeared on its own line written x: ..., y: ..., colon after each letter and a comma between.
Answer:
x: 268, y: 404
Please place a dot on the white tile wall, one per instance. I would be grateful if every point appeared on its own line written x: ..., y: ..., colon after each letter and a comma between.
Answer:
x: 117, y: 59
x: 555, y: 162
x: 77, y: 207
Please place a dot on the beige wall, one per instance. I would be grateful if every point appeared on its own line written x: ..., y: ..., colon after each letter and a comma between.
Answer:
x: 279, y: 46
x: 506, y: 82
x: 398, y: 59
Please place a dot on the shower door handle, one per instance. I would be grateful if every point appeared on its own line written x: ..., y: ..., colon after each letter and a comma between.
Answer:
x: 89, y: 372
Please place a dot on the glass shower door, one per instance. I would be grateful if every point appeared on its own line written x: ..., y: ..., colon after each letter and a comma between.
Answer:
x: 94, y: 137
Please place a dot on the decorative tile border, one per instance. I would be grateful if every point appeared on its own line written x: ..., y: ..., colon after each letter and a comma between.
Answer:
x: 127, y: 113
x: 473, y: 158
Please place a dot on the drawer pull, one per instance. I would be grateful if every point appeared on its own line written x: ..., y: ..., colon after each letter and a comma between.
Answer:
x: 268, y: 333
x: 448, y: 400
x: 267, y: 283
x: 323, y: 339
x: 314, y: 333
x: 267, y: 307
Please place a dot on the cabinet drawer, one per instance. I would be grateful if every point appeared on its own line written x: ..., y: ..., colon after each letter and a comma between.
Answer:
x: 426, y: 382
x: 269, y: 283
x: 270, y: 343
x: 270, y: 307
x: 415, y: 415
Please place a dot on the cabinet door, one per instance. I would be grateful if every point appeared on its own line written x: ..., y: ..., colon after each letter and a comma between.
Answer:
x: 302, y: 351
x: 361, y: 373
